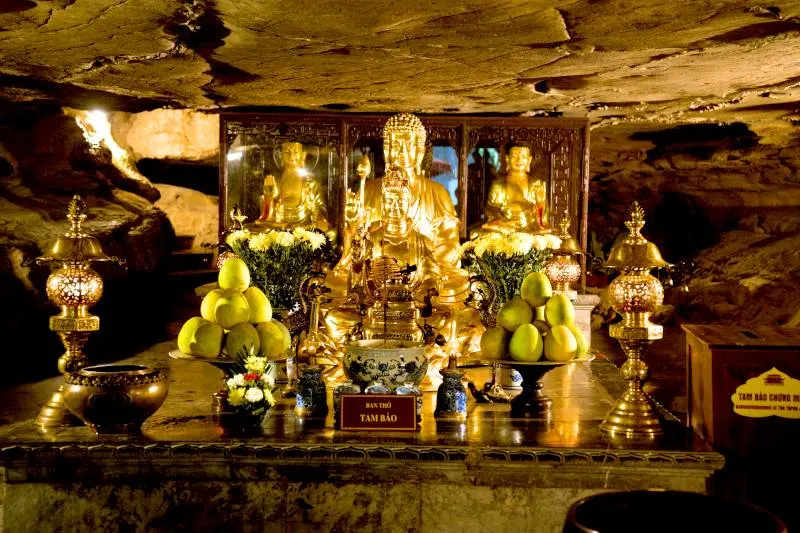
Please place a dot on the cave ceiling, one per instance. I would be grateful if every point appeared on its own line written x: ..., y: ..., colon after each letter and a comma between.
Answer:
x: 638, y: 62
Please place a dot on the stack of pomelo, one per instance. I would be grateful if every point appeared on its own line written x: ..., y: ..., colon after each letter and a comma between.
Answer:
x: 537, y: 323
x: 235, y: 317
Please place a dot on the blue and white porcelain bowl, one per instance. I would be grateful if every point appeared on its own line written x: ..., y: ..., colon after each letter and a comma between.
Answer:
x: 394, y: 363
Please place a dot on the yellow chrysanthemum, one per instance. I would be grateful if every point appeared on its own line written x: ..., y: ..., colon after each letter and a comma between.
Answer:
x: 236, y: 396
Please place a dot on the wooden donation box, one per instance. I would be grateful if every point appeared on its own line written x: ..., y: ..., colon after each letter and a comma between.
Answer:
x: 743, y: 387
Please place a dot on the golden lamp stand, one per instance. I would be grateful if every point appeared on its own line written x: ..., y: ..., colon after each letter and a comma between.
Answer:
x: 635, y: 294
x: 74, y: 287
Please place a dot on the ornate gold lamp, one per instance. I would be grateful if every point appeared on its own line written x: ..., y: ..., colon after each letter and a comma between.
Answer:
x: 635, y: 294
x: 74, y: 287
x: 563, y: 268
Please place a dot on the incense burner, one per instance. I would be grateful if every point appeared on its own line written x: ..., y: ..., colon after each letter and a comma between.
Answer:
x: 393, y: 363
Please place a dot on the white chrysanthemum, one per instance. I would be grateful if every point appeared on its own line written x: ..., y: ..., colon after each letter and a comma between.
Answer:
x: 269, y: 380
x: 254, y: 395
x: 236, y: 236
x: 236, y: 381
x: 553, y: 242
x: 283, y: 238
x: 261, y: 242
x: 255, y: 364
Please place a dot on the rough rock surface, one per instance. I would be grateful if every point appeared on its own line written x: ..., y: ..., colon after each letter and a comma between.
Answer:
x: 47, y: 161
x: 191, y: 213
x: 647, y: 60
x: 168, y: 134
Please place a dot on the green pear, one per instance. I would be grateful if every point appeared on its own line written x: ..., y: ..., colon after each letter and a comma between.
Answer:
x: 514, y: 313
x: 234, y: 274
x: 559, y: 310
x: 560, y: 344
x: 583, y: 345
x: 187, y: 333
x: 231, y: 308
x: 208, y: 304
x: 525, y: 344
x: 242, y: 336
x: 536, y: 289
x: 273, y: 343
x: 260, y: 308
x: 494, y: 343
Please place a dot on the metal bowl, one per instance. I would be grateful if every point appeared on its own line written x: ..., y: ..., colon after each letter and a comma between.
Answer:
x: 115, y: 398
x: 394, y: 363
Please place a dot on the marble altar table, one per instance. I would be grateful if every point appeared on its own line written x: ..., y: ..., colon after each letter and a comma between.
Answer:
x: 490, y: 473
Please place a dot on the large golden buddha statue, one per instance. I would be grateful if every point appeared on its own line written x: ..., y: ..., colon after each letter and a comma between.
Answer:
x: 517, y: 201
x: 294, y: 200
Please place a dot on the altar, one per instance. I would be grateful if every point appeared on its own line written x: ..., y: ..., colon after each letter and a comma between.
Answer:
x: 488, y: 473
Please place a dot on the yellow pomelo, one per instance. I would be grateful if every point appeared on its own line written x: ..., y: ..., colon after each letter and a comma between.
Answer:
x: 207, y: 340
x: 242, y: 336
x: 542, y: 326
x: 583, y: 345
x: 494, y: 343
x: 526, y: 344
x: 538, y: 313
x: 209, y: 303
x: 273, y: 344
x: 559, y: 310
x: 231, y: 308
x: 287, y: 336
x: 560, y: 344
x: 234, y: 274
x: 260, y: 308
x: 187, y: 333
x: 536, y: 289
x: 514, y: 313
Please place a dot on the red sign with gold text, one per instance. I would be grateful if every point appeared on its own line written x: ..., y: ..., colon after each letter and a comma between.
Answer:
x: 393, y: 412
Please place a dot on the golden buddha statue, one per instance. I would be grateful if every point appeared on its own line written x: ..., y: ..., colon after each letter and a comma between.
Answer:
x: 517, y: 202
x: 295, y: 200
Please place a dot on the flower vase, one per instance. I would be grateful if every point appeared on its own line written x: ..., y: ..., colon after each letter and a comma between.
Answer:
x: 241, y: 423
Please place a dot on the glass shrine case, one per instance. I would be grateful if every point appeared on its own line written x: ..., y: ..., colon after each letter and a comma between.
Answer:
x: 464, y: 154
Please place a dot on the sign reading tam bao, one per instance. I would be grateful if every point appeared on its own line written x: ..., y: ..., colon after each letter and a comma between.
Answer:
x: 773, y: 393
x: 394, y: 412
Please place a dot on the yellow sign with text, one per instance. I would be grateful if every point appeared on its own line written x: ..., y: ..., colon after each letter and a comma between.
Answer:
x: 773, y: 393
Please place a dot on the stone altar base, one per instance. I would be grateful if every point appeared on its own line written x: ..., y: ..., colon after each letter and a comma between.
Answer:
x: 491, y: 473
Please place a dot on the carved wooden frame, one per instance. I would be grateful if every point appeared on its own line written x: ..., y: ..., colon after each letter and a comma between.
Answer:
x: 564, y: 141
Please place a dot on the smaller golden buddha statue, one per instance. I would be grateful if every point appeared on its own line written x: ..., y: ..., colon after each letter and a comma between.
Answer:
x: 294, y: 200
x: 517, y: 201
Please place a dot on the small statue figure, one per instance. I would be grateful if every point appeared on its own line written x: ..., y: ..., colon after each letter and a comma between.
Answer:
x: 295, y: 199
x: 517, y: 202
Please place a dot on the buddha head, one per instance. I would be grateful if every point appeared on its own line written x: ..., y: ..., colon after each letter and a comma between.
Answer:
x: 404, y: 142
x: 293, y: 155
x: 519, y: 159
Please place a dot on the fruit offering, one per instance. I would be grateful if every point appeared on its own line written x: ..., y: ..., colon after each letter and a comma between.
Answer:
x: 233, y: 318
x: 535, y: 324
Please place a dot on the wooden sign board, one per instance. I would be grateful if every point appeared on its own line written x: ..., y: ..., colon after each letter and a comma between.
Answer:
x: 378, y: 412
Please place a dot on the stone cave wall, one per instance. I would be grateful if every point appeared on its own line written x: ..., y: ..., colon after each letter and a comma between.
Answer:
x: 720, y: 199
x: 44, y: 161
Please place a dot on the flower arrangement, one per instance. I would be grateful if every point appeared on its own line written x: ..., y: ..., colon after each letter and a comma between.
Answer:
x: 279, y: 260
x: 505, y: 258
x: 250, y: 386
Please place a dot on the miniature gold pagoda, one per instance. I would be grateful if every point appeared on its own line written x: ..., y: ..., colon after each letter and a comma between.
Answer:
x: 635, y: 294
x: 563, y: 268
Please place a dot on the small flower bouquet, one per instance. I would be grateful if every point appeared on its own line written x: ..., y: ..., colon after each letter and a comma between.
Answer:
x: 505, y: 258
x: 250, y: 387
x: 280, y: 260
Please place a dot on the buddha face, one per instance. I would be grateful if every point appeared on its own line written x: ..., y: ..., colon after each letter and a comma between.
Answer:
x: 293, y: 155
x: 519, y: 159
x: 395, y: 203
x: 402, y: 150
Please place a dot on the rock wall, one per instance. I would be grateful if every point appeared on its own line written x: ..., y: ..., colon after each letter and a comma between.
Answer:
x: 44, y: 161
x: 719, y: 196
